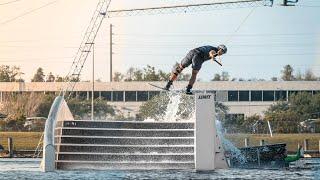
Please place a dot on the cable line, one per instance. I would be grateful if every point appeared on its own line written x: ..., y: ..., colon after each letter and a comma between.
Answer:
x: 28, y: 12
x: 10, y: 2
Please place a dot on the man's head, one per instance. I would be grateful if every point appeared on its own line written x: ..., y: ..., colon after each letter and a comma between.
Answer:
x: 222, y: 49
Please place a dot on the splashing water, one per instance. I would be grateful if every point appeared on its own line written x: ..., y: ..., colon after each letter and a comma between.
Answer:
x: 172, y: 108
x: 180, y: 108
x: 228, y: 145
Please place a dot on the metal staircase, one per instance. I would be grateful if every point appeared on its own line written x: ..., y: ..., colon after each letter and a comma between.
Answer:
x: 87, y: 144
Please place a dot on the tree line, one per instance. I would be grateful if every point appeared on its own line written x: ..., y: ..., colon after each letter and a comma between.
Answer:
x: 16, y: 108
x: 149, y: 73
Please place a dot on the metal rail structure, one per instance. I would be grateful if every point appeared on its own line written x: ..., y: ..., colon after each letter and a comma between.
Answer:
x: 102, y: 11
x: 86, y: 45
x: 189, y: 8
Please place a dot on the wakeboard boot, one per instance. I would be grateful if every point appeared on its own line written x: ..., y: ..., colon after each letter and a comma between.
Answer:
x: 188, y: 90
x: 167, y: 87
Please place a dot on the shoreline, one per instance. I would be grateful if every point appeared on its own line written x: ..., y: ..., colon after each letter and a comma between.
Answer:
x: 27, y: 142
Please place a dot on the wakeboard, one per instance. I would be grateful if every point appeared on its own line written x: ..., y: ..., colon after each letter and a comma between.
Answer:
x: 170, y: 90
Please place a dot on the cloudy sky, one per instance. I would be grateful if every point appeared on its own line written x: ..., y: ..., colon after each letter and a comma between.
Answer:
x: 47, y: 33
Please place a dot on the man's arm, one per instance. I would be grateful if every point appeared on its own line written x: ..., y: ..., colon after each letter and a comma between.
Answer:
x: 212, y: 54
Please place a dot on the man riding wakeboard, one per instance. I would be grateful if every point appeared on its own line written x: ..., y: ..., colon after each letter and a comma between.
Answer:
x: 196, y: 57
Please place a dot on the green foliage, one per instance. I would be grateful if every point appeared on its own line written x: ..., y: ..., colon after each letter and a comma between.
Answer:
x: 309, y: 76
x: 216, y: 77
x: 287, y: 73
x: 50, y: 77
x: 19, y: 106
x: 241, y: 124
x: 38, y: 76
x: 223, y: 77
x: 117, y: 77
x: 148, y: 73
x: 45, y: 105
x: 155, y: 107
x: 10, y: 74
x: 285, y: 117
x: 232, y: 125
x: 81, y: 109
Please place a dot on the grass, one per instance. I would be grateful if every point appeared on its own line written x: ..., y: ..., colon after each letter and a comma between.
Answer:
x: 21, y: 140
x: 29, y: 140
x: 292, y: 140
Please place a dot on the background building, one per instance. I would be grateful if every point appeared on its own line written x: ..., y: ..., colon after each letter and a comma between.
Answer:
x: 243, y: 98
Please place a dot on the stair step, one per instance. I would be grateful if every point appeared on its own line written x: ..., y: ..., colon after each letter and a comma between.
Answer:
x: 124, y: 149
x: 128, y: 154
x: 125, y: 140
x: 131, y: 158
x: 87, y: 144
x: 126, y: 132
x: 102, y: 165
x: 126, y: 124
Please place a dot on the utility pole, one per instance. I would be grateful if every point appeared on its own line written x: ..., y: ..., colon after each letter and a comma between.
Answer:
x: 92, y: 93
x: 110, y: 52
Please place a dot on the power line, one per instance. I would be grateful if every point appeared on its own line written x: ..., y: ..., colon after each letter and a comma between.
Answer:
x: 65, y: 62
x: 183, y: 45
x: 28, y: 12
x: 10, y: 2
x: 197, y: 35
x: 233, y: 55
x: 31, y: 59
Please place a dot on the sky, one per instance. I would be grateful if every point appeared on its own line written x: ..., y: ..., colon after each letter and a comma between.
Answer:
x: 260, y: 40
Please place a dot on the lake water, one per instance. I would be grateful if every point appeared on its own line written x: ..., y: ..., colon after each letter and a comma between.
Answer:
x: 29, y: 169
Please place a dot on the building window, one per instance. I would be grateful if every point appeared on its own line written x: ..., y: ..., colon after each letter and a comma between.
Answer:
x: 142, y: 95
x: 243, y: 95
x: 309, y: 92
x: 72, y: 94
x: 232, y: 95
x: 96, y: 94
x: 281, y: 95
x: 256, y: 95
x: 293, y: 92
x: 131, y: 96
x: 222, y: 96
x: 82, y: 95
x: 117, y: 96
x: 106, y: 95
x: 153, y: 93
x: 316, y: 92
x: 268, y: 95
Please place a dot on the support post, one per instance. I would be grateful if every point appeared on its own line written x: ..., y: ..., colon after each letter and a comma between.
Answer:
x: 306, y: 144
x: 92, y: 93
x: 246, y: 142
x: 10, y: 147
x: 111, y: 52
x: 209, y: 153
